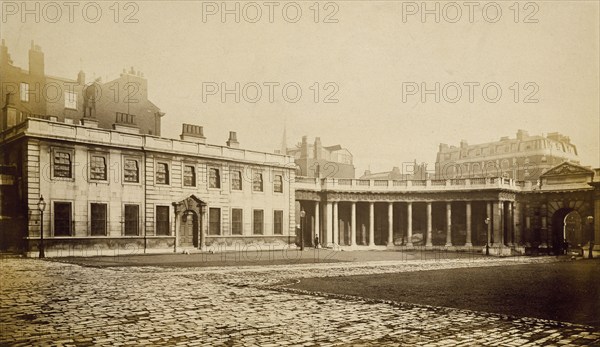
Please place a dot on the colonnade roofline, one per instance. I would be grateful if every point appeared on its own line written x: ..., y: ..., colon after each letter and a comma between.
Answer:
x: 394, y: 186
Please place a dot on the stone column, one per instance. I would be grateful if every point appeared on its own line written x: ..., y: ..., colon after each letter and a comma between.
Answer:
x: 468, y: 242
x: 489, y: 224
x: 336, y: 224
x: 327, y: 221
x: 390, y: 224
x: 353, y: 224
x: 317, y: 222
x: 428, y: 242
x: 517, y: 223
x: 448, y: 224
x: 510, y: 230
x: 409, y: 224
x: 498, y: 216
x: 544, y: 229
x: 371, y: 223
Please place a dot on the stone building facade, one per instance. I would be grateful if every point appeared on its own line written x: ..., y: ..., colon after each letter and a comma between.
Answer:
x: 523, y: 158
x: 120, y: 192
x: 504, y: 215
x: 316, y: 160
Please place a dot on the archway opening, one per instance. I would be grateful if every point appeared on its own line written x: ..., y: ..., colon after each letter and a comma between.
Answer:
x: 567, y: 231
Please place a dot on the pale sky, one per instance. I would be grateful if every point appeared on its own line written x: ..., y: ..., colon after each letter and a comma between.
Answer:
x: 368, y: 55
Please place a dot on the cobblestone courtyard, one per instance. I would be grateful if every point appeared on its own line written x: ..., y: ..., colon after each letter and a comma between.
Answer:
x: 50, y: 303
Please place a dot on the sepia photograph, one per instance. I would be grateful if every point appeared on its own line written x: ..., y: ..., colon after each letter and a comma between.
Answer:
x: 300, y: 173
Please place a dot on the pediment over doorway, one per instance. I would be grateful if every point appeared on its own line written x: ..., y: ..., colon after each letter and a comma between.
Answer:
x: 191, y: 203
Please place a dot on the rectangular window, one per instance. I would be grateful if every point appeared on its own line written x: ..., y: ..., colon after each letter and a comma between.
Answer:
x: 278, y: 222
x: 278, y: 184
x: 258, y: 222
x: 62, y: 164
x: 71, y: 100
x: 236, y: 180
x: 162, y: 173
x: 132, y: 171
x: 257, y: 182
x: 237, y: 221
x: 189, y: 176
x: 24, y: 92
x: 132, y: 216
x: 62, y: 219
x: 214, y: 219
x: 214, y: 179
x: 98, y: 219
x: 98, y: 168
x: 162, y: 220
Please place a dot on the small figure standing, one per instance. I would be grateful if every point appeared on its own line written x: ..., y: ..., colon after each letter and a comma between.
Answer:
x: 317, y: 241
x: 565, y: 247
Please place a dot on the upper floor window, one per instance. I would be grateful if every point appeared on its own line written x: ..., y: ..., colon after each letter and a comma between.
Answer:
x: 98, y: 168
x: 278, y: 184
x: 132, y: 171
x: 71, y: 100
x: 62, y: 164
x: 24, y: 92
x: 214, y: 178
x: 236, y: 180
x: 189, y: 176
x: 257, y: 182
x: 162, y: 173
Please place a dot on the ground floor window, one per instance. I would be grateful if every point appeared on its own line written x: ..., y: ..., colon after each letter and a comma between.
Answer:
x: 237, y: 225
x: 98, y: 219
x: 162, y: 220
x: 258, y: 221
x: 62, y: 219
x: 214, y: 220
x: 278, y: 222
x: 132, y: 215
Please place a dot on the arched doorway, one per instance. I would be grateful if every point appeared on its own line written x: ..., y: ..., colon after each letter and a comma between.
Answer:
x: 190, y: 223
x: 188, y: 232
x: 566, y: 226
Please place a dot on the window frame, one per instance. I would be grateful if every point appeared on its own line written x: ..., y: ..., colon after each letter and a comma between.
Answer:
x: 275, y: 176
x: 212, y: 222
x: 24, y: 92
x: 103, y: 155
x: 194, y: 177
x: 218, y: 177
x: 70, y: 220
x: 69, y: 93
x: 91, y: 219
x: 262, y: 226
x: 138, y: 160
x: 156, y: 221
x: 241, y: 179
x: 137, y: 225
x: 275, y: 212
x: 71, y: 153
x: 167, y: 164
x: 241, y: 221
x: 260, y: 173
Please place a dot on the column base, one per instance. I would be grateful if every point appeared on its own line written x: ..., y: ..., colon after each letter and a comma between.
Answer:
x: 499, y: 250
x: 468, y: 244
x: 448, y: 244
x: 409, y: 244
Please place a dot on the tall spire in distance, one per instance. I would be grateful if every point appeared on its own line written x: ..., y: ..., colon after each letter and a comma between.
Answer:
x: 284, y: 139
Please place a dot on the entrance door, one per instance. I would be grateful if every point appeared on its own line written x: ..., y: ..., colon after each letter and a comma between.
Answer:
x: 566, y: 226
x: 188, y: 233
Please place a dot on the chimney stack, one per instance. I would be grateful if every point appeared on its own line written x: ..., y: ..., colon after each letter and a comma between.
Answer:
x: 194, y: 133
x: 36, y: 60
x: 233, y: 142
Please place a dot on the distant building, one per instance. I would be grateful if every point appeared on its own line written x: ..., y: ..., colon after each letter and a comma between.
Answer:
x: 413, y: 171
x: 120, y: 103
x: 522, y: 158
x: 316, y: 160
